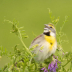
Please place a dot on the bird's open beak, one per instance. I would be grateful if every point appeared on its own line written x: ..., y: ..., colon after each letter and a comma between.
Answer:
x: 46, y: 29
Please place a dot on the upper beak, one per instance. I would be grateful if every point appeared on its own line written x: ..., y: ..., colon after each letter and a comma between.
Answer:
x: 46, y: 26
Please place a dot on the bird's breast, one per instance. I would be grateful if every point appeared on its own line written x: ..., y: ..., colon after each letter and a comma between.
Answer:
x: 51, y: 40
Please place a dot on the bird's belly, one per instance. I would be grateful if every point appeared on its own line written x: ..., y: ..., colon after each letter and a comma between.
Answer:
x: 45, y: 52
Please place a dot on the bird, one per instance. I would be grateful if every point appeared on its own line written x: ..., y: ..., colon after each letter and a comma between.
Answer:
x: 45, y: 44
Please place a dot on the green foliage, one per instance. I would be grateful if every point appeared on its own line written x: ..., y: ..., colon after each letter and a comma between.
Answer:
x: 21, y: 60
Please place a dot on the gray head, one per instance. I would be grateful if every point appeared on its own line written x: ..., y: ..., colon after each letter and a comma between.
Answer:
x: 49, y: 30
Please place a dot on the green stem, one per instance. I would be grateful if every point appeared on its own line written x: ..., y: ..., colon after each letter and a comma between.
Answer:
x: 67, y: 63
x: 24, y: 44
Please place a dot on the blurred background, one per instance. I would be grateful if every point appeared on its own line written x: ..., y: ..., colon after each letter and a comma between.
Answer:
x: 32, y: 14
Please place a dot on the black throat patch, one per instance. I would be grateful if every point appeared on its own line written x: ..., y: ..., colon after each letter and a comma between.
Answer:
x: 47, y: 33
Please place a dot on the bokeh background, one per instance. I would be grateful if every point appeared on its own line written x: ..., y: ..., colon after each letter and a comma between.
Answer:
x: 32, y: 14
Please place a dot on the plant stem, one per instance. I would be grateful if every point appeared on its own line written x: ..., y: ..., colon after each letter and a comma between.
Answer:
x: 24, y: 43
x: 67, y: 63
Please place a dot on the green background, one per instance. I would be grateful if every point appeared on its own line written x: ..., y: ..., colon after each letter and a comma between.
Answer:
x: 32, y: 14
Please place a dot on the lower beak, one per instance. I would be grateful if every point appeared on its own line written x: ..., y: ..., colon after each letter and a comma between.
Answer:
x: 46, y: 29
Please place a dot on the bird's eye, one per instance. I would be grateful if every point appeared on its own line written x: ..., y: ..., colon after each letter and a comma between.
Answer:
x: 50, y: 27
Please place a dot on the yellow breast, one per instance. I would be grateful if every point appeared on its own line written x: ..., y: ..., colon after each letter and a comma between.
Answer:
x: 51, y: 40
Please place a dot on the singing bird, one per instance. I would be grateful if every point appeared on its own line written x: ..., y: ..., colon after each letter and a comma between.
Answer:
x: 46, y: 43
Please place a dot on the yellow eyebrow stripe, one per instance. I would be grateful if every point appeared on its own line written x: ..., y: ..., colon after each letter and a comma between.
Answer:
x: 51, y: 26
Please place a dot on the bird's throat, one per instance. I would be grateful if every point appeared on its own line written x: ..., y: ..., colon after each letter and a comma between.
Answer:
x: 47, y: 33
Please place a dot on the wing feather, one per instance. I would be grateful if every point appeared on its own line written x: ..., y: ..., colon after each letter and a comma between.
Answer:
x: 37, y: 40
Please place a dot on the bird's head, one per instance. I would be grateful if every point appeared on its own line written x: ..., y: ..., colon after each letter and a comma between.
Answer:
x: 49, y: 30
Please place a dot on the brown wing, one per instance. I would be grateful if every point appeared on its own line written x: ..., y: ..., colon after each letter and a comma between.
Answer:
x: 37, y: 40
x: 37, y: 37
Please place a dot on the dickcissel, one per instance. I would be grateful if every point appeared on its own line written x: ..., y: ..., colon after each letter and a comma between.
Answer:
x: 46, y: 43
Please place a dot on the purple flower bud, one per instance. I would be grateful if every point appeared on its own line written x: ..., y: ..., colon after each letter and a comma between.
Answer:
x: 40, y: 50
x: 45, y: 70
x: 63, y: 53
x: 53, y: 66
